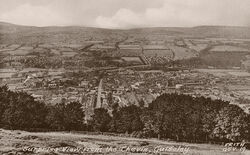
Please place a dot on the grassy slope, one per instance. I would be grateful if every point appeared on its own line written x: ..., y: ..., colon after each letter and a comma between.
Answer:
x: 14, y: 141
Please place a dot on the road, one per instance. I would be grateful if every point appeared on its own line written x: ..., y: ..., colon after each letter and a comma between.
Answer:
x: 98, y: 103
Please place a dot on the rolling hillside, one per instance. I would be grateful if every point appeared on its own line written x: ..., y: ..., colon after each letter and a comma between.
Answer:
x: 10, y: 33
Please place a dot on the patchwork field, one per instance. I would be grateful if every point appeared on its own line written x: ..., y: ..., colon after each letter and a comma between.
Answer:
x: 225, y: 72
x: 197, y: 46
x: 69, y: 54
x: 158, y: 52
x: 182, y: 53
x: 132, y: 60
x: 17, y: 52
x: 228, y: 48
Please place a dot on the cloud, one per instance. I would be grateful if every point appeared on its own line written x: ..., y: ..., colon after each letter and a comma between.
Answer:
x: 126, y: 13
x: 66, y: 12
x: 182, y: 13
x: 123, y: 18
x: 27, y: 14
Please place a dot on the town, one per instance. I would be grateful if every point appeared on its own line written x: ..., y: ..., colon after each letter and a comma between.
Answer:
x: 125, y: 77
x: 128, y: 69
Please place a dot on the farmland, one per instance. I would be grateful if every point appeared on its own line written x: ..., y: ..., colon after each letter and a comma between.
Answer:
x: 135, y: 60
x: 224, y: 56
x: 153, y: 45
x: 223, y: 48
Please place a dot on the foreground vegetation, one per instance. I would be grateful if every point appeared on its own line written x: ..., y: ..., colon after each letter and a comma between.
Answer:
x: 170, y: 116
x: 16, y: 142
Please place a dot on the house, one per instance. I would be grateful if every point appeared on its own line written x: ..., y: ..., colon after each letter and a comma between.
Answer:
x: 84, y: 83
x: 178, y: 86
x: 38, y: 97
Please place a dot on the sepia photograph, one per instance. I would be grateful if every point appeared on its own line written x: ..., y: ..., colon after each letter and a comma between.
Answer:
x: 121, y: 77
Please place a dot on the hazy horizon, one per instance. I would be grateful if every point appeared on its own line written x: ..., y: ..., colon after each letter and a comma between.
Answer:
x: 126, y: 14
x: 122, y: 28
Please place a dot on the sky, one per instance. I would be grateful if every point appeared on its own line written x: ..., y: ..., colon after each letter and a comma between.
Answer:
x: 126, y: 13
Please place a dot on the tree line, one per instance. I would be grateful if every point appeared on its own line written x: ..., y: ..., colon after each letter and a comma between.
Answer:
x: 171, y: 116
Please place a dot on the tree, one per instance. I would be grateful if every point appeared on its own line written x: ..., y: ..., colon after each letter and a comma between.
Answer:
x: 168, y: 110
x: 209, y: 110
x: 115, y: 117
x: 150, y: 124
x: 4, y: 100
x: 208, y: 124
x: 101, y: 120
x: 231, y: 124
x: 129, y: 119
x: 55, y: 118
x: 110, y: 99
x: 24, y: 113
x: 141, y: 103
x: 64, y: 116
x: 181, y: 117
x: 248, y: 127
x: 74, y: 116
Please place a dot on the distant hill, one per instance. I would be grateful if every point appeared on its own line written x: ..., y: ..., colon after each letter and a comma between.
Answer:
x: 221, y: 31
x: 201, y: 31
x: 11, y: 33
